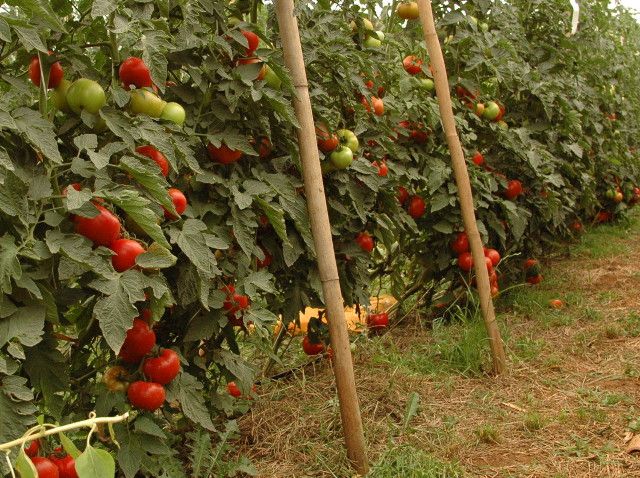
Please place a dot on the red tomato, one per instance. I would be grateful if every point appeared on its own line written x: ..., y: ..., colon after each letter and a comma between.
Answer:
x: 556, y: 304
x: 265, y: 148
x: 311, y: 348
x: 403, y: 195
x: 327, y: 141
x: 377, y: 322
x: 33, y: 448
x: 478, y: 158
x: 253, y: 41
x: 462, y: 92
x: 460, y: 244
x: 489, y: 263
x: 416, y: 207
x: 234, y: 390
x: 493, y: 255
x: 66, y: 464
x: 465, y: 261
x: 383, y: 170
x: 139, y: 341
x: 133, y: 71
x: 55, y: 72
x: 514, y: 189
x: 604, y: 216
x: 495, y: 290
x: 223, y: 154
x: 266, y: 262
x: 162, y: 369
x: 126, y: 251
x: 412, y: 65
x: 365, y: 241
x: 533, y: 280
x: 159, y: 158
x: 45, y: 467
x: 576, y: 226
x: 146, y: 395
x: 501, y: 113
x: 234, y: 302
x: 529, y: 263
x: 179, y: 202
x: 102, y: 229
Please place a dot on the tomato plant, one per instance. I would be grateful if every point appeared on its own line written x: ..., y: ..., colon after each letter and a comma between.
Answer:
x: 184, y: 78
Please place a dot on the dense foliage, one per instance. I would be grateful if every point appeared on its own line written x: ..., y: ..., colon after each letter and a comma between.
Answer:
x: 212, y: 276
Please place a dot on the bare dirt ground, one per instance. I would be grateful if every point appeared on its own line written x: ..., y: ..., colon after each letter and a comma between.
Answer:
x: 570, y: 401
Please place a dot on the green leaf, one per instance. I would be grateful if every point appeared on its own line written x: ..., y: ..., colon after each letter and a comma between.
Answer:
x: 154, y: 45
x: 156, y: 257
x: 235, y: 364
x: 25, y: 325
x: 69, y: 446
x: 39, y: 132
x: 115, y: 312
x: 118, y: 124
x: 30, y: 39
x: 411, y: 409
x: 275, y: 214
x: 103, y: 8
x: 25, y: 467
x: 188, y: 391
x: 9, y: 263
x: 193, y: 242
x: 136, y: 207
x: 95, y: 463
x: 46, y: 368
x: 79, y: 249
x: 5, y: 31
x: 148, y: 176
x: 17, y: 411
x: 244, y: 226
x: 13, y: 197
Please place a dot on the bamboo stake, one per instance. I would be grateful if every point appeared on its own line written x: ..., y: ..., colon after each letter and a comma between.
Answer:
x: 321, y: 229
x: 464, y: 186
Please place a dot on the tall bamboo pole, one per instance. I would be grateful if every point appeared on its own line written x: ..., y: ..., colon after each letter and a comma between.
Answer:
x: 462, y: 181
x: 321, y: 229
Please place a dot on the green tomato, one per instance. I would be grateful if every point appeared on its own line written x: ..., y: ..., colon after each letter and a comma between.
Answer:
x: 174, y: 112
x: 484, y: 27
x: 85, y: 94
x: 327, y: 167
x: 371, y: 42
x: 348, y: 139
x: 146, y: 103
x: 491, y: 110
x: 59, y: 96
x: 342, y: 157
x: 271, y: 79
x: 427, y: 84
x: 234, y: 21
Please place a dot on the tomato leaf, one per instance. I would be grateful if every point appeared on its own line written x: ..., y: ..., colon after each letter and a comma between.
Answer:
x: 44, y: 365
x: 16, y: 407
x: 193, y: 242
x: 188, y: 391
x: 115, y: 313
x: 38, y: 131
x: 24, y: 325
x: 69, y: 446
x: 156, y: 257
x: 95, y: 463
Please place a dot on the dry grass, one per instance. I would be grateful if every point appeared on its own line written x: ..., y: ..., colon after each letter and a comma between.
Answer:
x: 562, y: 411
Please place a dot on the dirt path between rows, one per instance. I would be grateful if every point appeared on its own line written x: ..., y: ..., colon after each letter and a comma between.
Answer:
x: 569, y: 402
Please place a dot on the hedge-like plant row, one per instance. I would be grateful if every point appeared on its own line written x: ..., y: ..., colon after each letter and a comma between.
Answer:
x: 153, y: 224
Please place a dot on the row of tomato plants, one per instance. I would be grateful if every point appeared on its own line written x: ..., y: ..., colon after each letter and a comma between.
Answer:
x: 154, y: 226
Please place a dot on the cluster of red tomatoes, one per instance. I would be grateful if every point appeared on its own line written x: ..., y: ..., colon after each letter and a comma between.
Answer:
x: 158, y: 369
x: 58, y: 464
x: 415, y: 205
x: 235, y: 305
x: 460, y: 246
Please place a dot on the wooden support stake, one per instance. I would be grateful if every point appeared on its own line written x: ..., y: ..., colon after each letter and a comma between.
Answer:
x: 321, y: 229
x: 464, y: 186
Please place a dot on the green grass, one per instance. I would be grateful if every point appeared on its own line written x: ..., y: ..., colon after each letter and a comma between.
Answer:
x: 487, y: 434
x: 598, y: 242
x: 409, y: 462
x: 533, y: 421
x: 460, y: 347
